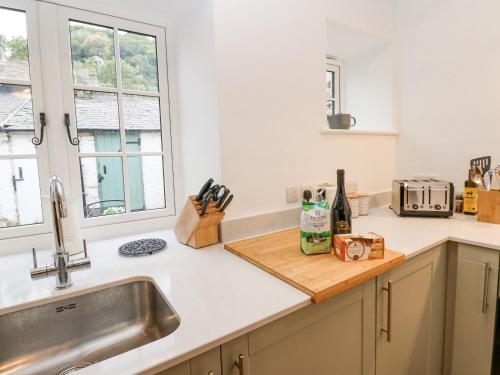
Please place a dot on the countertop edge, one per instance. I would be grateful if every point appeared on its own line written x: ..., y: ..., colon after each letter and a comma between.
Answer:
x: 227, y: 338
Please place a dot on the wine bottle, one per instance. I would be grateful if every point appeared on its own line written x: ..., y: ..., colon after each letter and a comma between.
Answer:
x: 341, y: 211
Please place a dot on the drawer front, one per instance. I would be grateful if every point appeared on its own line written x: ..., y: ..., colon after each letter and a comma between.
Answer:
x: 478, y: 254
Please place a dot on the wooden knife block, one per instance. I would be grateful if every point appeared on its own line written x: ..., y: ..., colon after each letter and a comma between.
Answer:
x: 198, y: 231
x: 488, y: 207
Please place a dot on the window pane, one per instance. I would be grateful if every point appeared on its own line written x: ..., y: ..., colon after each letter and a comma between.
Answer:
x: 145, y: 174
x: 138, y: 61
x: 102, y: 180
x: 16, y: 120
x: 13, y: 45
x: 92, y: 54
x: 141, y: 118
x: 97, y: 121
x: 330, y: 85
x: 19, y: 193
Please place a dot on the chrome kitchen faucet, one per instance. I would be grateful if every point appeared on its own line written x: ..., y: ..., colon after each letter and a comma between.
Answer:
x: 62, y: 265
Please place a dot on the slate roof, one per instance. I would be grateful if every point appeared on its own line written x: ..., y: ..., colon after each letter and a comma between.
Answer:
x: 14, y: 70
x: 100, y: 111
x: 15, y: 110
x: 97, y: 111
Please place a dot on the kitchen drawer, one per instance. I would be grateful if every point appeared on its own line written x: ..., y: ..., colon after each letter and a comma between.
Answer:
x: 478, y: 254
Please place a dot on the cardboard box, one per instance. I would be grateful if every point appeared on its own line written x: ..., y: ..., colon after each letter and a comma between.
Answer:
x: 349, y: 247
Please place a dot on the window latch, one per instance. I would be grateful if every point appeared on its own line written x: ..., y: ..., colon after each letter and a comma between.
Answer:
x: 73, y: 141
x: 43, y: 123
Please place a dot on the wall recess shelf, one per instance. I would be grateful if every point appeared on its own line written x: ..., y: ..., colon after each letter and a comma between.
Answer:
x: 359, y: 132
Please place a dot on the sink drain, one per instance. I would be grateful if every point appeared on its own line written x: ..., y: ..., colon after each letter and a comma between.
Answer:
x: 74, y: 368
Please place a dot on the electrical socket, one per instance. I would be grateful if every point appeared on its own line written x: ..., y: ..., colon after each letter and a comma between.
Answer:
x: 292, y: 194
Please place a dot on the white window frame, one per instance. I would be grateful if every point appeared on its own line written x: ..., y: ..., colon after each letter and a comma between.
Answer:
x: 51, y: 70
x: 333, y: 65
x: 38, y: 106
x: 66, y: 14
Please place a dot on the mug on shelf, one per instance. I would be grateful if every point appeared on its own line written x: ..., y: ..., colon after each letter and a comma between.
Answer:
x: 341, y: 121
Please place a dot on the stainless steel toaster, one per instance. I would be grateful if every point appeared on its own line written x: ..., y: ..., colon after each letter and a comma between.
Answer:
x: 432, y: 198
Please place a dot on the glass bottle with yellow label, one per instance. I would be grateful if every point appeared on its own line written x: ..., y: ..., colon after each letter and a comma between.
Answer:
x: 471, y: 193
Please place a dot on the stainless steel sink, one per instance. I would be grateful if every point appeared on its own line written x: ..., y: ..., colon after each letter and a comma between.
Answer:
x: 63, y: 336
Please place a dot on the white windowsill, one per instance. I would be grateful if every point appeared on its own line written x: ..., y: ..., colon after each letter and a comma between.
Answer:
x: 359, y: 132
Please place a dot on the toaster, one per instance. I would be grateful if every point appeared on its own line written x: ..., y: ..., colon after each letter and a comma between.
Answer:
x: 432, y: 198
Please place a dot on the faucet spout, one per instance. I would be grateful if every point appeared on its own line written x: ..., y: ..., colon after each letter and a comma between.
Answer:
x: 59, y: 211
x: 62, y: 265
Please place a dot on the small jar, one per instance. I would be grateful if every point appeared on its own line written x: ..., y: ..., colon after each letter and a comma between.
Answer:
x: 351, y: 188
x: 459, y: 203
x: 364, y: 204
x: 354, y: 203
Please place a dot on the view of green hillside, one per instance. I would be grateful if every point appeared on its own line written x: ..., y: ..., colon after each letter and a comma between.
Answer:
x: 93, y: 56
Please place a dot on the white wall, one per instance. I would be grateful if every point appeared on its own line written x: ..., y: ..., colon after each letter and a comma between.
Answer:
x: 20, y: 206
x: 449, y: 57
x: 196, y: 94
x: 270, y: 62
x: 366, y: 74
x: 368, y: 89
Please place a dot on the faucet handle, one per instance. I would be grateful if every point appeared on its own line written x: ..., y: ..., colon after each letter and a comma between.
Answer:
x: 35, y: 263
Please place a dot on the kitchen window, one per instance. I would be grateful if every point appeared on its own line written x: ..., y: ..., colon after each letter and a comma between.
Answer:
x: 23, y: 165
x: 108, y: 129
x: 332, y: 86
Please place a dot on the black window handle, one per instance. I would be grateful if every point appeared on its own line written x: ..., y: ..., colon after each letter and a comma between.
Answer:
x: 15, y: 179
x: 43, y: 123
x: 73, y: 141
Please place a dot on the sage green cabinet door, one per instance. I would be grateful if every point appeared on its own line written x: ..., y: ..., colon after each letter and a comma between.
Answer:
x: 475, y: 310
x: 234, y: 355
x: 180, y: 369
x: 416, y: 319
x: 333, y: 337
x: 207, y: 363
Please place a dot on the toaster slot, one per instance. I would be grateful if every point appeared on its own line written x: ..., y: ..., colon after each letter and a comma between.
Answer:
x: 440, y: 198
x: 415, y: 197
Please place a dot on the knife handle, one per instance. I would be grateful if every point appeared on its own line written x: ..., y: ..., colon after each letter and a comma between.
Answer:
x: 226, y: 203
x: 222, y: 198
x: 204, y: 203
x: 204, y: 189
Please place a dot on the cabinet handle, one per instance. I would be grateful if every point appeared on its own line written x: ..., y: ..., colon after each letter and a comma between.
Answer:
x: 240, y: 364
x: 211, y: 373
x: 388, y: 330
x: 487, y: 269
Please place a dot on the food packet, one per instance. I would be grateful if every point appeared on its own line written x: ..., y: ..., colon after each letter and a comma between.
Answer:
x: 315, y: 233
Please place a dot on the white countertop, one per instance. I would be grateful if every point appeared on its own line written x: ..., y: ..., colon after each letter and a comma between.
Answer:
x: 413, y: 235
x: 217, y: 295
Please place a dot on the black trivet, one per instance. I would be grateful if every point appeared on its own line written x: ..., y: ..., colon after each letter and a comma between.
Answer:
x: 138, y: 248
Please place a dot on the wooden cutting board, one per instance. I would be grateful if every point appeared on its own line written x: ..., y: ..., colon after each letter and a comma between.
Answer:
x: 321, y: 276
